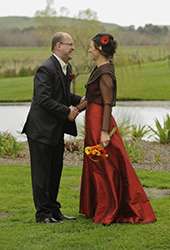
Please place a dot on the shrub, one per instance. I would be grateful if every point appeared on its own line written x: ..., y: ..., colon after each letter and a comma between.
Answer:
x: 124, y: 129
x: 138, y: 133
x: 23, y: 72
x: 9, y: 145
x: 162, y: 134
x: 134, y: 151
x: 9, y: 73
x: 28, y: 71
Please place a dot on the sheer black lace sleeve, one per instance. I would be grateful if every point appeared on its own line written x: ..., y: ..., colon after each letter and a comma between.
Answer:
x: 108, y: 90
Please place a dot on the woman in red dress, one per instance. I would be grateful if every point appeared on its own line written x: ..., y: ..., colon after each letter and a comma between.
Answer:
x: 110, y: 189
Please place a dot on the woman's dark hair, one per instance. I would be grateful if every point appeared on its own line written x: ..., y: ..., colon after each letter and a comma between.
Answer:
x: 107, y: 42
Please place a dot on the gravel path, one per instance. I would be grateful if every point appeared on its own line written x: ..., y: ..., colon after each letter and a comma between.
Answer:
x: 156, y: 158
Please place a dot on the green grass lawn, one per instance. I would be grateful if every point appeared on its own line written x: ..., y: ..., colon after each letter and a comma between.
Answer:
x: 16, y: 89
x: 18, y: 230
x: 150, y: 81
x: 25, y: 53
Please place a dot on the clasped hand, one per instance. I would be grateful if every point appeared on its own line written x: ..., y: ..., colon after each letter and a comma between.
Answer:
x: 73, y: 113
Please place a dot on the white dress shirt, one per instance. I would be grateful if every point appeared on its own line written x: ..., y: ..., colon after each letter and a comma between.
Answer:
x: 63, y: 64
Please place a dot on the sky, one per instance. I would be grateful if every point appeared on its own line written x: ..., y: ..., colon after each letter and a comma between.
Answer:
x: 121, y: 12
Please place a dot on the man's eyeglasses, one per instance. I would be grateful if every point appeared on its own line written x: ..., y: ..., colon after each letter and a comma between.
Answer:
x: 70, y: 44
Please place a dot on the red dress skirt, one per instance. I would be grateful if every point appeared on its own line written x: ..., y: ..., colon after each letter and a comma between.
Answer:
x: 110, y: 189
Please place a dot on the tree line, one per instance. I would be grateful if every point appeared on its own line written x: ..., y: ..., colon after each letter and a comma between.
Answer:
x: 84, y: 25
x: 33, y: 36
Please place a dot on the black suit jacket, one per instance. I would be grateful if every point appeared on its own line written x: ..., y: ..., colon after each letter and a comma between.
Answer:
x: 47, y: 118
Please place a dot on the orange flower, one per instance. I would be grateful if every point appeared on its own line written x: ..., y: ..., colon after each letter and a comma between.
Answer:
x: 96, y: 153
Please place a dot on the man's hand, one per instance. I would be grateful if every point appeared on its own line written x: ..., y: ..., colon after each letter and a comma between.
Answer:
x: 105, y: 138
x: 73, y: 113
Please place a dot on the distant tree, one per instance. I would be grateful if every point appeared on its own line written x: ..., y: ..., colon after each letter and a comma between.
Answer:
x: 165, y: 30
x: 86, y: 27
x: 87, y: 15
x: 64, y: 11
x: 82, y: 34
x: 48, y: 21
x: 15, y: 30
x: 48, y: 12
x: 131, y: 28
x: 150, y: 29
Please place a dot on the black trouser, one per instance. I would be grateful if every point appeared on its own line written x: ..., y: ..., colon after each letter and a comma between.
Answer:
x: 46, y: 169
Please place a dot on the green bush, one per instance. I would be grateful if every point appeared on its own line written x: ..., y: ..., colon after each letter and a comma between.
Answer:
x: 162, y: 134
x: 138, y: 133
x: 134, y: 151
x: 124, y: 129
x: 9, y: 73
x: 28, y: 71
x: 23, y: 71
x: 9, y: 145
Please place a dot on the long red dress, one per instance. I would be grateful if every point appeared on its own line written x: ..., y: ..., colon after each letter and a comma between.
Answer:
x: 110, y: 188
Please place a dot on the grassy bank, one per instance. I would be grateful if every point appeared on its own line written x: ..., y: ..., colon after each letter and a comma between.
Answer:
x: 19, y: 231
x: 24, y: 55
x: 149, y: 81
x: 142, y: 72
x: 16, y: 89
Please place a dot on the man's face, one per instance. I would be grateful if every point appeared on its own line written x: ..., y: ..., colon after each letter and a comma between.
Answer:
x: 67, y: 48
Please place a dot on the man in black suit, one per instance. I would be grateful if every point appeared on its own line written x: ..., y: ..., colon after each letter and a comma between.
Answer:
x: 50, y: 116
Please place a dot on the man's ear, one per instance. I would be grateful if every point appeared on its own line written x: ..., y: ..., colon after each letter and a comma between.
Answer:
x: 58, y: 46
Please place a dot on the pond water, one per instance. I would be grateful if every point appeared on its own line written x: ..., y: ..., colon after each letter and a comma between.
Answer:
x: 13, y: 116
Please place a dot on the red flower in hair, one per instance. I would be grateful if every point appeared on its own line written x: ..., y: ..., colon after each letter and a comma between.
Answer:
x: 105, y: 40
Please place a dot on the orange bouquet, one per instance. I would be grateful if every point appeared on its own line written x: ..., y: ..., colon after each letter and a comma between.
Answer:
x: 97, y: 152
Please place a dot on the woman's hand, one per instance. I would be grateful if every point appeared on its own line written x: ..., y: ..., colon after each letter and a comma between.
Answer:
x: 105, y: 138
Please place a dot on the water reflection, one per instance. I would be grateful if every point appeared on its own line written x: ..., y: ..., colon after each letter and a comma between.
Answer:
x: 142, y: 113
x: 13, y: 115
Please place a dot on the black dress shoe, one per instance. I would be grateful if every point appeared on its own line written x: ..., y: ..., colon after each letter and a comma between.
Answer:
x: 49, y: 220
x: 64, y: 217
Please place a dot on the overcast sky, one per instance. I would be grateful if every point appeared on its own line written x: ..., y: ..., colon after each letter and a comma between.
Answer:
x: 121, y: 12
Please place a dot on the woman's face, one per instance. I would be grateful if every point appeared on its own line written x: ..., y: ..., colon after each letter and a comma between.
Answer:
x: 95, y: 53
